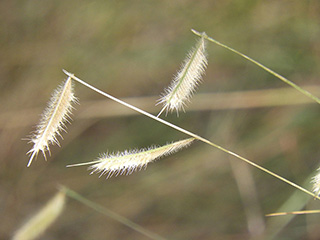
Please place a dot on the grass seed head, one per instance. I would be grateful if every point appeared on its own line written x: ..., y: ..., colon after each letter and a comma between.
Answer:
x: 132, y: 160
x: 316, y: 183
x: 186, y: 80
x: 53, y: 120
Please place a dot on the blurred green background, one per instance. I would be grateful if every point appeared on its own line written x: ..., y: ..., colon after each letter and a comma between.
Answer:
x: 131, y: 49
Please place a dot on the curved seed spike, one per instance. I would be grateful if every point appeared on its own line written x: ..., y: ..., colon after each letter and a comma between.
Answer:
x: 187, y: 79
x: 53, y: 120
x: 129, y: 161
x: 316, y: 183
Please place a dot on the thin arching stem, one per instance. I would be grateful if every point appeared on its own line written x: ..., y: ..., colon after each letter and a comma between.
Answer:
x: 287, y: 81
x: 191, y: 134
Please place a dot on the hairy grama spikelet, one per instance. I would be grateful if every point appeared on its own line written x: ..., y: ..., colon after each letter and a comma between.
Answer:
x: 316, y: 183
x: 187, y: 79
x: 38, y: 223
x: 129, y: 161
x: 53, y: 120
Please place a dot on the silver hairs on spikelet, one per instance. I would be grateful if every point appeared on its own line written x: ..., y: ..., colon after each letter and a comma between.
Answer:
x: 129, y: 161
x: 53, y: 120
x: 316, y: 183
x: 187, y: 79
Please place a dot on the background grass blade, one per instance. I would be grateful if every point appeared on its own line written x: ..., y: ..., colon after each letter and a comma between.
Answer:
x: 111, y: 214
x: 34, y: 227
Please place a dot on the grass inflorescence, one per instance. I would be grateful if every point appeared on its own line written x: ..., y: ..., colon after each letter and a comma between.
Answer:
x: 53, y: 120
x: 128, y: 161
x: 186, y: 80
x: 174, y: 98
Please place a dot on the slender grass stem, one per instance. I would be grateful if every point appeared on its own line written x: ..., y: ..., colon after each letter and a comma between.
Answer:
x: 161, y: 111
x: 191, y: 134
x: 111, y: 214
x: 293, y: 213
x: 287, y: 81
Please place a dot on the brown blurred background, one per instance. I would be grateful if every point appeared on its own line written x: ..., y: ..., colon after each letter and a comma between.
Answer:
x: 131, y: 49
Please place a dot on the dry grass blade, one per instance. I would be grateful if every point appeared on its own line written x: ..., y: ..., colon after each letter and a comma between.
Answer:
x: 184, y: 84
x: 43, y: 219
x: 129, y: 161
x: 53, y: 120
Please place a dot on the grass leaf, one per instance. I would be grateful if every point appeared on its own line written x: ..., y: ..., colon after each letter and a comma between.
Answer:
x: 43, y: 219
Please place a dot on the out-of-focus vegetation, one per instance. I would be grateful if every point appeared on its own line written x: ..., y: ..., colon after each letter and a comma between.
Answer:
x: 132, y: 49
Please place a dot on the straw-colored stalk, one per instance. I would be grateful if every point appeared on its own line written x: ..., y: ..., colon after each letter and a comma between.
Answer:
x: 204, y: 140
x: 132, y: 160
x: 42, y: 220
x: 187, y: 79
x: 53, y: 120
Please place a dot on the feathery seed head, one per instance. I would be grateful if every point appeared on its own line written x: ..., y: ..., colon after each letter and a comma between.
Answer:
x: 53, y: 120
x: 187, y: 79
x: 129, y: 161
x: 316, y: 183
